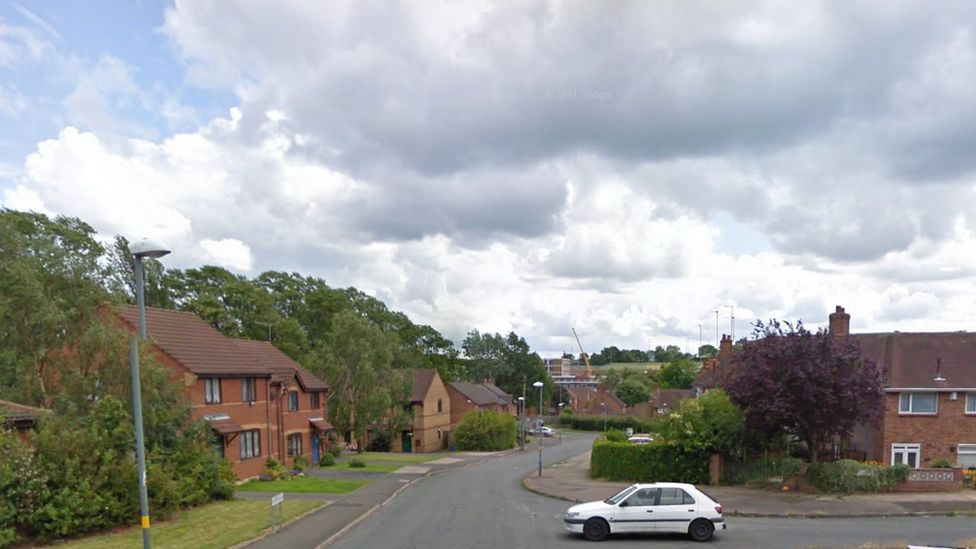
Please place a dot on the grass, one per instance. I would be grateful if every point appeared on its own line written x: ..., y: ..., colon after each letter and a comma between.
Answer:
x: 305, y: 485
x: 372, y: 466
x: 399, y: 458
x: 203, y: 527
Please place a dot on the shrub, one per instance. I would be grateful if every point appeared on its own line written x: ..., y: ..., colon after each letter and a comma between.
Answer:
x: 380, y: 443
x: 595, y: 423
x: 486, y: 431
x: 942, y: 464
x: 300, y: 463
x: 616, y: 435
x: 273, y: 468
x: 357, y: 462
x: 647, y: 463
x: 327, y: 460
x: 847, y: 476
x: 767, y: 470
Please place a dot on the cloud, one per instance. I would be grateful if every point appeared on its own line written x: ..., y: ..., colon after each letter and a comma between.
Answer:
x: 229, y: 252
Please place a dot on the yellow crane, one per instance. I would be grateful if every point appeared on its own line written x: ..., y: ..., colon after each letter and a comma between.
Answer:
x: 586, y: 359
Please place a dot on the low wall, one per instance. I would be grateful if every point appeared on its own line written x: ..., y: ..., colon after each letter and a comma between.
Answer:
x: 932, y: 480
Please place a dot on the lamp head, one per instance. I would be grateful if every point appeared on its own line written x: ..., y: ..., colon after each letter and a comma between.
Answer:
x: 538, y: 384
x: 148, y: 248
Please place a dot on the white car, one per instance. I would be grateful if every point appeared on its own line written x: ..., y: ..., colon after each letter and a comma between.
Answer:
x: 641, y: 439
x: 658, y: 507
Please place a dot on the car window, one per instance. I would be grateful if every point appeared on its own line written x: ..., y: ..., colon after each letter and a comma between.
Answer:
x: 616, y: 498
x: 675, y: 496
x: 643, y: 498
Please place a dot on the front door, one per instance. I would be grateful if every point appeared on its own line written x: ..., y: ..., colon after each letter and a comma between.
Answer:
x: 315, y: 450
x: 675, y: 510
x: 407, y: 442
x: 637, y: 513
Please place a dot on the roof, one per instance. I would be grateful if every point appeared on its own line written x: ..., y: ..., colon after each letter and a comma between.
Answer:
x: 497, y: 390
x: 280, y: 364
x: 477, y: 393
x: 422, y: 379
x: 15, y: 413
x: 670, y: 398
x: 198, y: 346
x: 224, y: 425
x: 321, y: 424
x: 912, y: 360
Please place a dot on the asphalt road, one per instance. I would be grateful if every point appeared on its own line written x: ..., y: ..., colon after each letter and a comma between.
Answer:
x: 485, y: 506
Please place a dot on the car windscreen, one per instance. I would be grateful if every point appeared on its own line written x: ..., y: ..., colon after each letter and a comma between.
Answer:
x: 616, y: 498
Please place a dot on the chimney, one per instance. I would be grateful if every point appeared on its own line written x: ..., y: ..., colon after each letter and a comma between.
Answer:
x: 840, y: 322
x: 725, y: 348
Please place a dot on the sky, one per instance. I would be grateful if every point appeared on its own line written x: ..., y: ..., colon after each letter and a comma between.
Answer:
x: 626, y: 169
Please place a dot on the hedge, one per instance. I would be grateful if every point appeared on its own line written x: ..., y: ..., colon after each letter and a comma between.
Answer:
x: 485, y: 431
x: 595, y: 423
x: 646, y: 463
x: 847, y: 475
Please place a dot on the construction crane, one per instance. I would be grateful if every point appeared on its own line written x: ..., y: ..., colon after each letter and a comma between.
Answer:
x: 586, y: 359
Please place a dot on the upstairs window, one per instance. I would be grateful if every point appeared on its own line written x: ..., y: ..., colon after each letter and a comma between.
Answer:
x: 293, y: 401
x: 440, y: 406
x: 918, y: 403
x: 249, y: 392
x: 314, y: 400
x: 971, y: 403
x: 211, y: 390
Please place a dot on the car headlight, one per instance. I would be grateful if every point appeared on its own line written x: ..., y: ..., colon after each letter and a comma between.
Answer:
x: 571, y: 515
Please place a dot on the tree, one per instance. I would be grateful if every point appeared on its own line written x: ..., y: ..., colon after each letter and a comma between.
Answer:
x: 708, y: 424
x: 356, y: 360
x: 707, y: 350
x: 506, y: 360
x: 677, y: 374
x: 633, y: 392
x: 814, y: 386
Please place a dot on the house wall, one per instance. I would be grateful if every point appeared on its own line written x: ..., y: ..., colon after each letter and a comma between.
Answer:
x: 250, y: 415
x: 430, y: 427
x: 295, y: 422
x: 938, y: 434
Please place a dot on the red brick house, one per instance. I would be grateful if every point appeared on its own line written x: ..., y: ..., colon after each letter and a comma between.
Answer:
x: 431, y: 406
x: 930, y: 396
x: 247, y: 391
x: 595, y: 401
x: 466, y: 397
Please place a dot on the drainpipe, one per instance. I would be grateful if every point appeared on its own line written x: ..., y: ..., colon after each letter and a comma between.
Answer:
x: 267, y: 407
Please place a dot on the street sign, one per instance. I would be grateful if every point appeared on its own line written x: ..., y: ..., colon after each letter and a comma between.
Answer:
x: 279, y: 500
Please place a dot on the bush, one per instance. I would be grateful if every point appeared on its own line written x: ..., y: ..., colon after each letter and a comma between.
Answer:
x: 300, y: 463
x: 380, y: 443
x: 595, y: 423
x: 486, y: 431
x: 848, y: 476
x: 942, y: 464
x: 327, y: 460
x: 647, y: 463
x: 616, y: 435
x: 767, y: 470
x: 357, y: 462
x: 273, y: 468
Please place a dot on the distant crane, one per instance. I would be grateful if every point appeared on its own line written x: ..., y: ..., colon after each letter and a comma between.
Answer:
x: 586, y: 359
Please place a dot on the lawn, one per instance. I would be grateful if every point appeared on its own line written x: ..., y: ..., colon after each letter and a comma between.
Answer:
x: 399, y: 458
x: 372, y: 466
x: 205, y: 527
x: 307, y: 485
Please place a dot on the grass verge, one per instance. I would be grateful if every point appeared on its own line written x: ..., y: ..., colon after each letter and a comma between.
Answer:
x: 372, y: 466
x: 305, y: 485
x: 399, y: 458
x: 212, y: 526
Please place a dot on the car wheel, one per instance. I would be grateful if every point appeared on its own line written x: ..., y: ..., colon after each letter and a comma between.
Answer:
x: 595, y: 529
x: 701, y: 530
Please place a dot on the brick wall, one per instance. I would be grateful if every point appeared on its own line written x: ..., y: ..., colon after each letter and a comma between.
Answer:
x: 430, y: 427
x: 250, y: 415
x: 938, y: 434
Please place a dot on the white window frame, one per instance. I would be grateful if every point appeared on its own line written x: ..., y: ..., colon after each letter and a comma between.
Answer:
x: 911, y: 400
x: 965, y: 448
x: 249, y: 389
x: 211, y: 390
x: 907, y: 448
x: 295, y: 443
x: 970, y: 404
x: 294, y: 402
x: 250, y: 444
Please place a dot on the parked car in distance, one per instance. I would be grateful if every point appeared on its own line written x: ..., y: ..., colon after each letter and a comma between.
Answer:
x: 542, y: 432
x: 658, y: 507
x: 641, y: 439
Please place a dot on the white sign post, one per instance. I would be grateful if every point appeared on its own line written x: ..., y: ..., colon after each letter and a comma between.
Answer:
x: 279, y: 500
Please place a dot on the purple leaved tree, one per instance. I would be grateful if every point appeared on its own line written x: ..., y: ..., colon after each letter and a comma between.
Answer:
x: 815, y: 386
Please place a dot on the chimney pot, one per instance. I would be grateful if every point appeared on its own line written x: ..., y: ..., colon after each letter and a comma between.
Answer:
x: 840, y: 322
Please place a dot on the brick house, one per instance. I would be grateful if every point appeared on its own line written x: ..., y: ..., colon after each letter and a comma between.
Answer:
x: 466, y: 396
x: 713, y: 368
x: 595, y: 401
x: 930, y: 396
x: 245, y: 390
x: 431, y: 406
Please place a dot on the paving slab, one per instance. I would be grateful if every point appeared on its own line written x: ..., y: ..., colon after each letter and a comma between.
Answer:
x: 412, y: 470
x: 445, y: 461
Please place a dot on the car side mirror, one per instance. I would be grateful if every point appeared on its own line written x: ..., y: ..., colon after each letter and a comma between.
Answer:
x: 623, y: 503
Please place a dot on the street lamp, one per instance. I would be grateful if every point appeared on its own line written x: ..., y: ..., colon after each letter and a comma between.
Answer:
x: 521, y: 401
x: 539, y: 384
x: 142, y: 249
x: 604, y: 406
x: 560, y: 422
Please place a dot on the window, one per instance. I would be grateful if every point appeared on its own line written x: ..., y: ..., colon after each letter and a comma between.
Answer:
x: 218, y: 444
x: 971, y: 403
x: 906, y: 454
x: 211, y: 390
x: 966, y: 455
x: 643, y: 498
x: 440, y: 406
x: 675, y: 496
x: 295, y: 445
x: 918, y: 403
x: 293, y: 401
x: 250, y: 444
x: 314, y: 399
x: 249, y: 392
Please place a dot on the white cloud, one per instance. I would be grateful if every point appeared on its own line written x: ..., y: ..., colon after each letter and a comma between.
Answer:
x: 229, y: 252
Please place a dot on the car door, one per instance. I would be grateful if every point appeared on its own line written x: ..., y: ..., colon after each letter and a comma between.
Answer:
x: 637, y: 512
x: 675, y: 510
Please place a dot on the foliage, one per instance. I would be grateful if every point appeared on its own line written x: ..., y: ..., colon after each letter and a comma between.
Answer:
x: 772, y: 469
x: 942, y: 463
x: 508, y: 361
x: 357, y: 462
x: 677, y: 374
x: 485, y: 431
x: 611, y: 354
x: 595, y: 423
x: 848, y: 476
x: 647, y: 463
x: 616, y: 435
x: 380, y: 443
x: 709, y: 424
x: 969, y: 478
x: 327, y: 460
x: 300, y: 463
x: 632, y: 392
x: 812, y: 385
x: 706, y: 351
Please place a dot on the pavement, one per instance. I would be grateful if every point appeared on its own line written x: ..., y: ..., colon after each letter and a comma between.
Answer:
x: 570, y: 480
x: 343, y: 512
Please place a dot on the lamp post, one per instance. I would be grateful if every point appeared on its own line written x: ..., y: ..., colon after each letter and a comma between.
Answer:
x: 560, y: 422
x: 142, y: 249
x: 604, y: 406
x: 539, y: 384
x: 521, y: 401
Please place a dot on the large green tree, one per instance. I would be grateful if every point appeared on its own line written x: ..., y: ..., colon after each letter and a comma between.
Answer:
x: 632, y: 392
x: 508, y: 362
x: 678, y: 374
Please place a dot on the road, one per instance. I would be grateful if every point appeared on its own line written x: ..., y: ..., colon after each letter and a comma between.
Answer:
x: 485, y: 506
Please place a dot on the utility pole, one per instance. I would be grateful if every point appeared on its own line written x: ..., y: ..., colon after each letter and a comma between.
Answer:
x: 732, y: 321
x: 699, y: 340
x: 716, y: 329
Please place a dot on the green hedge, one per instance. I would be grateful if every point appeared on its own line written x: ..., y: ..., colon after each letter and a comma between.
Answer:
x: 646, y: 463
x: 595, y: 423
x: 485, y: 431
x: 847, y: 476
